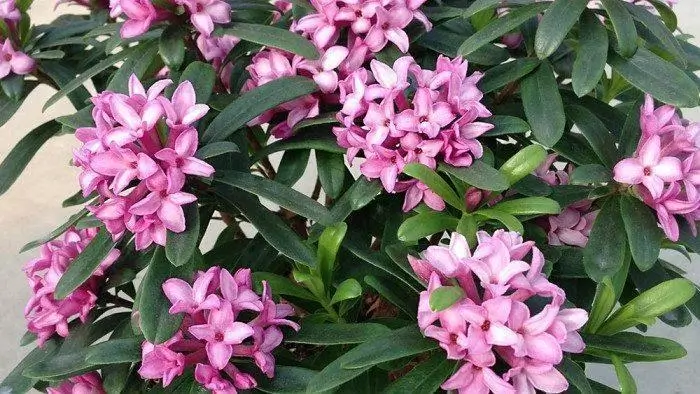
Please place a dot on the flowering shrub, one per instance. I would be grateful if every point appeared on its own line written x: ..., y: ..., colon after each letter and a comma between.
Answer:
x: 492, y: 187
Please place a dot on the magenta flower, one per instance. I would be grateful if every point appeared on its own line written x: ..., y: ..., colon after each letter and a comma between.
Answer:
x: 160, y: 362
x: 649, y: 168
x: 89, y: 383
x: 470, y: 378
x: 183, y: 108
x: 191, y: 299
x: 9, y: 11
x: 220, y: 333
x: 205, y: 13
x: 140, y: 16
x: 181, y: 156
x: 14, y: 61
x: 571, y: 227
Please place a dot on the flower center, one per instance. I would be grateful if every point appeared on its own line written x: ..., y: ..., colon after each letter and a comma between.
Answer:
x: 419, y: 151
x: 453, y: 338
x: 647, y: 171
x: 7, y: 57
x: 486, y: 325
x: 218, y: 337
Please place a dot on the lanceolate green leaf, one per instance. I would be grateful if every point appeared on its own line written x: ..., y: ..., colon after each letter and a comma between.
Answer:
x: 434, y: 182
x: 180, y: 247
x: 605, y: 252
x: 203, y: 77
x: 659, y: 30
x: 85, y: 264
x: 555, y: 24
x: 253, y: 103
x: 575, y: 375
x: 591, y: 55
x: 504, y: 125
x: 590, y: 174
x: 57, y: 232
x: 331, y: 172
x: 15, y: 381
x: 426, y: 224
x: 543, y: 105
x: 287, y: 380
x: 595, y: 132
x: 115, y: 351
x: 292, y: 166
x: 511, y: 222
x: 631, y: 346
x: 622, y: 21
x: 172, y: 46
x: 624, y: 377
x: 523, y: 163
x: 643, y: 234
x: 137, y: 64
x: 283, y: 285
x: 653, y: 75
x: 529, y: 206
x: 500, y: 26
x: 277, y: 193
x: 328, y: 246
x: 425, y: 378
x: 499, y: 76
x: 479, y: 175
x: 397, y: 344
x: 274, y: 37
x: 22, y: 153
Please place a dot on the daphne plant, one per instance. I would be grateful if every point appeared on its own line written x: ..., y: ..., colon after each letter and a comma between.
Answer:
x: 494, y: 188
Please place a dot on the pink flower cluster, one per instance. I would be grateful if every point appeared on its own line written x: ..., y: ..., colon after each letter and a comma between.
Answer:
x: 573, y: 225
x: 665, y: 169
x: 138, y: 178
x: 391, y: 127
x: 140, y: 15
x: 492, y: 319
x: 89, y: 383
x: 12, y: 61
x: 45, y: 314
x: 213, y: 332
x: 369, y: 24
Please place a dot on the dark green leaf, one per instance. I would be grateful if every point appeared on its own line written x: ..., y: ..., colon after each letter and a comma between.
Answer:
x: 60, y: 366
x: 622, y: 21
x: 444, y: 297
x: 631, y: 346
x: 504, y: 125
x: 203, y: 77
x: 136, y: 64
x: 287, y: 380
x: 501, y: 75
x: 15, y: 381
x: 82, y: 268
x: 543, y: 105
x: 555, y: 24
x: 282, y: 286
x: 653, y: 75
x: 575, y: 375
x: 8, y: 106
x: 591, y: 55
x: 666, y: 14
x: 595, y: 132
x: 172, y: 46
x: 361, y: 193
x: 216, y: 149
x: 82, y: 118
x: 425, y: 378
x: 603, y: 303
x: 254, y: 102
x: 331, y: 172
x: 424, y: 225
x: 180, y: 247
x: 631, y: 131
x: 397, y: 344
x: 643, y: 235
x: 22, y: 153
x: 336, y: 334
x: 605, y: 252
x: 13, y: 86
x: 590, y: 174
x: 314, y: 139
x: 500, y: 26
x: 479, y: 175
x: 274, y: 37
x: 292, y: 166
x: 115, y: 351
x: 57, y: 232
x: 394, y: 294
x: 435, y: 182
x: 511, y: 222
x: 652, y: 23
x: 277, y: 193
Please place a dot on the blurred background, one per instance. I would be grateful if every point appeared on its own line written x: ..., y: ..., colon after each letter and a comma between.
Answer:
x: 32, y: 208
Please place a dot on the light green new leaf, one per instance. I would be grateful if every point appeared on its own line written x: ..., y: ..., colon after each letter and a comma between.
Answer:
x: 435, y: 182
x: 631, y: 346
x: 511, y: 222
x: 529, y: 206
x: 479, y: 175
x: 424, y: 225
x: 523, y: 163
x: 624, y: 376
x: 328, y: 245
x: 347, y: 290
x: 444, y: 297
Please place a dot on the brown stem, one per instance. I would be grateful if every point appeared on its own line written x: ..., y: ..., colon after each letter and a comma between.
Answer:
x: 264, y: 162
x: 508, y: 91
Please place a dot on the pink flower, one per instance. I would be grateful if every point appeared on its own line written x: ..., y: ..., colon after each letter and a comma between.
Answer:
x: 89, y: 383
x: 9, y: 11
x: 649, y: 168
x: 190, y: 299
x: 160, y: 362
x: 205, y: 13
x: 140, y: 16
x: 552, y: 177
x: 183, y: 108
x: 181, y: 156
x: 211, y: 379
x: 571, y: 227
x: 531, y: 375
x: 418, y: 192
x: 389, y: 27
x: 166, y: 204
x: 487, y: 324
x: 13, y: 61
x: 473, y: 379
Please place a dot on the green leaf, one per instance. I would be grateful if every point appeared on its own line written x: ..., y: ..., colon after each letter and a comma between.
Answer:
x: 60, y: 365
x: 82, y: 118
x: 631, y: 130
x: 8, y: 106
x: 479, y: 175
x: 253, y: 103
x: 543, y: 105
x: 511, y: 222
x: 331, y: 172
x: 62, y: 75
x: 590, y: 174
x: 216, y: 149
x: 425, y: 224
x: 478, y: 6
x: 643, y: 234
x: 622, y: 22
x: 136, y: 64
x: 595, y: 132
x: 605, y: 252
x: 523, y: 163
x: 115, y: 351
x: 89, y: 73
x: 13, y: 86
x: 313, y: 139
x: 333, y: 375
x: 172, y: 46
x: 203, y: 78
x: 500, y: 26
x: 435, y: 182
x: 347, y: 290
x: 336, y: 334
x: 75, y: 218
x: 575, y: 375
x: 399, y: 343
x: 394, y: 294
x: 644, y: 308
x: 631, y: 346
x: 603, y: 303
x: 653, y: 75
x: 287, y: 380
x: 659, y: 30
x: 156, y: 323
x: 328, y: 246
x: 444, y: 297
x: 292, y: 166
x: 529, y: 206
x: 666, y: 14
x: 591, y: 55
x: 82, y: 268
x: 270, y: 226
x: 361, y: 193
x: 275, y: 192
x: 15, y: 381
x: 180, y: 247
x: 379, y: 260
x: 555, y: 24
x: 504, y: 125
x: 22, y: 153
x: 281, y: 285
x: 503, y: 74
x: 274, y: 37
x: 624, y: 376
x: 424, y: 378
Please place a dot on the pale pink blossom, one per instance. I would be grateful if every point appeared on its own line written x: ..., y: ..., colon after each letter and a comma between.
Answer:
x: 9, y: 11
x: 160, y: 362
x: 140, y: 15
x: 571, y: 227
x: 205, y: 13
x: 649, y: 168
x: 89, y: 383
x: 14, y: 61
